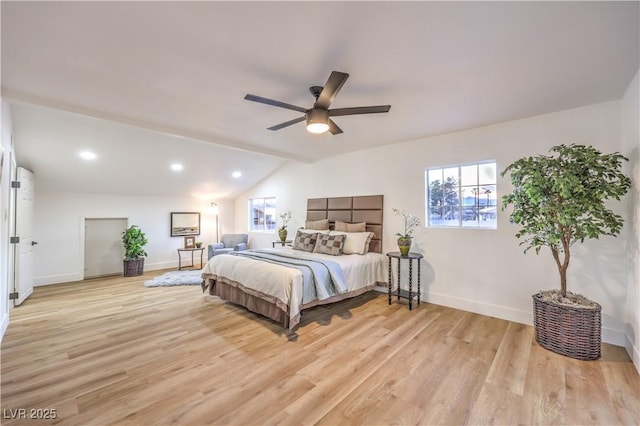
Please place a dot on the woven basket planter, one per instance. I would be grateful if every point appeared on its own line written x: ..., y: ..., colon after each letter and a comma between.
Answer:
x: 567, y: 330
x: 133, y: 267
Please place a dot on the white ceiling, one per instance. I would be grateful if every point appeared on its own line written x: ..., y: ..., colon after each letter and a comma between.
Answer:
x: 165, y: 81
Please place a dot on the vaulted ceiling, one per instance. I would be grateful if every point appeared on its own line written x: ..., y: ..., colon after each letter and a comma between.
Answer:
x: 145, y: 84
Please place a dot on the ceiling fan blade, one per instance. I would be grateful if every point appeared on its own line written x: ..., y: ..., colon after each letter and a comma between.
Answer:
x: 331, y: 88
x: 359, y: 110
x: 287, y: 123
x: 272, y: 102
x: 333, y: 128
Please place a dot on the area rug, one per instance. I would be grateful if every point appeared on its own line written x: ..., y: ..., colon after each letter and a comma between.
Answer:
x: 190, y: 277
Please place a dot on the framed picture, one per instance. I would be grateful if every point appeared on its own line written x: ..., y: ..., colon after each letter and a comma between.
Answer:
x: 189, y: 242
x: 185, y: 223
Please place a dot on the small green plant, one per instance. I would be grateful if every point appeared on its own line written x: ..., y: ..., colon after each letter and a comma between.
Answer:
x: 134, y: 241
x: 560, y: 200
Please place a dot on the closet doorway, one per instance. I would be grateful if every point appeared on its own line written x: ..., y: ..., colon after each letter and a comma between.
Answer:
x: 103, y: 249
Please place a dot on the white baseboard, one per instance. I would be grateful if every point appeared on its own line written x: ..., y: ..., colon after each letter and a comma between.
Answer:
x: 56, y: 279
x: 612, y: 336
x: 3, y: 325
x: 633, y: 351
x: 163, y: 265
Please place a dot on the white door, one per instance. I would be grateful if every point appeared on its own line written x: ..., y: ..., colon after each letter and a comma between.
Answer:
x: 23, y: 278
x: 103, y: 249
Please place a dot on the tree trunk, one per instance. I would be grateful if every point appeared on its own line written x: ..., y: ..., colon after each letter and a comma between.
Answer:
x: 563, y: 279
x: 562, y: 269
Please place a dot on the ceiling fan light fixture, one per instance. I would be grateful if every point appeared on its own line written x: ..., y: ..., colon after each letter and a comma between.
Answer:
x: 318, y: 121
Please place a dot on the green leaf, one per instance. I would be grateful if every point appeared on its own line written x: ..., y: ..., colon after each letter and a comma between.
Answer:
x: 559, y: 200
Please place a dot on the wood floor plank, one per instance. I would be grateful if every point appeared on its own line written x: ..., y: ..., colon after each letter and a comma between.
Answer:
x: 509, y: 368
x: 110, y: 351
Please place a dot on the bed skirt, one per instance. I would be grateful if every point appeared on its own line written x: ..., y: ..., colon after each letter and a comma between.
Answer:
x: 255, y: 303
x: 266, y: 305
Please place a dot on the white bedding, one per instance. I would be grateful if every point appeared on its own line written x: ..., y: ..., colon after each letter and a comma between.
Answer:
x: 285, y: 283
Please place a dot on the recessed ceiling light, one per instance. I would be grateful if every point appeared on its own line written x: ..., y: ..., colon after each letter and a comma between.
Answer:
x: 88, y: 155
x: 176, y: 167
x: 236, y: 174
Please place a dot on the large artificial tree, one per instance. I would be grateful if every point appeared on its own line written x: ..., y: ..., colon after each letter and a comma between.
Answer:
x: 560, y: 200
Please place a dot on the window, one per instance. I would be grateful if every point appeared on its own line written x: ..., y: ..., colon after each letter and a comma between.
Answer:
x: 262, y: 214
x: 462, y: 196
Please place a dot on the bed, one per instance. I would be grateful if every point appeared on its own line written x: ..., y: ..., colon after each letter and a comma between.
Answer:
x: 280, y: 283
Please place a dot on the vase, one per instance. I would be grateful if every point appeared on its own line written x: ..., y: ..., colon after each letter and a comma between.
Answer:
x: 282, y: 233
x: 404, y: 244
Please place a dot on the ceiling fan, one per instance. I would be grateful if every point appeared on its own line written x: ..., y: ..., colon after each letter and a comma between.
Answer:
x: 318, y: 117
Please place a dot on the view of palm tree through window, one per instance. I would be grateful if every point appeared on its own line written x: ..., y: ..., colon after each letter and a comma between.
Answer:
x: 462, y: 196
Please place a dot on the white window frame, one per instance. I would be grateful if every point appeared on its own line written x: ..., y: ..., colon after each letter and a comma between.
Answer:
x: 484, y: 210
x: 266, y: 222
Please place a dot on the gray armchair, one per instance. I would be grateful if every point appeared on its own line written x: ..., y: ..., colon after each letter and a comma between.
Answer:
x: 229, y: 242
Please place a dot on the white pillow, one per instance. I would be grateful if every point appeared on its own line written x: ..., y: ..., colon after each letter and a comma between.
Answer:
x: 355, y: 242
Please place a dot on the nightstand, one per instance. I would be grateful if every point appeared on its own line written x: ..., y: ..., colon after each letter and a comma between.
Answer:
x: 401, y: 293
x: 282, y: 243
x: 192, y: 250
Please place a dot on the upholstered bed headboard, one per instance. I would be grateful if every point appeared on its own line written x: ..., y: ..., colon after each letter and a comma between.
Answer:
x: 363, y: 208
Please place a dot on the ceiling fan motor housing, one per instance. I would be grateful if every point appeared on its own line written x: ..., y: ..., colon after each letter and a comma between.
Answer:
x: 317, y: 120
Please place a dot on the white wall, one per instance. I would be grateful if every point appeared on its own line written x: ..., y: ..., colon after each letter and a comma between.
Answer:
x: 483, y: 271
x: 5, y: 178
x: 59, y: 228
x: 631, y: 149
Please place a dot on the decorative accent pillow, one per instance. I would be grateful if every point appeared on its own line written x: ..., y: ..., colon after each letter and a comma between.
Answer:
x: 317, y: 224
x: 355, y: 242
x: 329, y: 244
x: 314, y: 231
x: 350, y: 227
x: 305, y: 241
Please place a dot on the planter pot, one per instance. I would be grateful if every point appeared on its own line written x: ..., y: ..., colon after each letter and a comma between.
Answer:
x: 404, y: 244
x: 282, y: 233
x: 133, y: 267
x: 568, y: 330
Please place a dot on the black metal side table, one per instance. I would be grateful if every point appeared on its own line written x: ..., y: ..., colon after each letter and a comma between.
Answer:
x: 405, y: 294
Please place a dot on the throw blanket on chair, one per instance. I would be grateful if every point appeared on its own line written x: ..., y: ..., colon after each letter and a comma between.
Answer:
x: 321, y: 278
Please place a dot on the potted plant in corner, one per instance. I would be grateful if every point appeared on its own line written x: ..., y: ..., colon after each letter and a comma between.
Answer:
x: 134, y: 241
x: 558, y: 201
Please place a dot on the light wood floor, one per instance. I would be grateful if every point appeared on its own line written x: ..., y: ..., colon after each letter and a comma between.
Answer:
x: 110, y: 351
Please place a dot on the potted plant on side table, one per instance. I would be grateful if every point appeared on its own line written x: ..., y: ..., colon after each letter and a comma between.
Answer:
x: 559, y: 200
x: 282, y: 231
x: 134, y: 241
x: 405, y: 239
